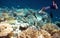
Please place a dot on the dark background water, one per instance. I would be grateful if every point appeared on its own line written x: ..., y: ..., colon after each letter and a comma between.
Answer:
x: 33, y: 4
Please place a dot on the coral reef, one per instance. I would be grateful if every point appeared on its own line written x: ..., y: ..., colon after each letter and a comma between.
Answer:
x: 50, y: 27
x: 56, y: 34
x: 31, y: 33
x: 27, y: 23
x: 5, y: 30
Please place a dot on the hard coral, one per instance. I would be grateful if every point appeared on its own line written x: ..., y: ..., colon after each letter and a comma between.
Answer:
x: 45, y: 34
x: 5, y: 29
x: 31, y: 33
x: 56, y: 34
x: 49, y: 27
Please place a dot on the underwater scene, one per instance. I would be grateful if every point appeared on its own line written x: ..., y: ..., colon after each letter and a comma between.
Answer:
x: 29, y: 19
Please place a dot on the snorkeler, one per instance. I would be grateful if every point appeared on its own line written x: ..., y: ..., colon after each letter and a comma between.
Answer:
x: 53, y: 6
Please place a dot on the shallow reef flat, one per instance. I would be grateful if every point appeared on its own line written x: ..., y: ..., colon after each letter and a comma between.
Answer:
x: 27, y: 23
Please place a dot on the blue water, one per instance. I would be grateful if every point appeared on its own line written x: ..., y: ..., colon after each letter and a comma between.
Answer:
x: 33, y: 4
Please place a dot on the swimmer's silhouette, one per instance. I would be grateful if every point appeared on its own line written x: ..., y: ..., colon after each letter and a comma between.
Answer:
x: 52, y: 6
